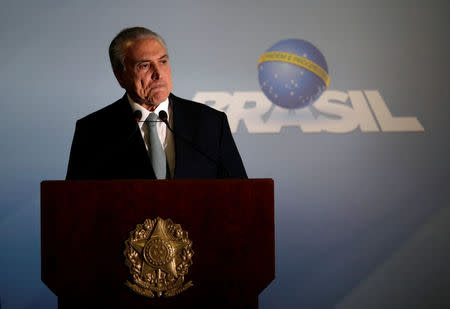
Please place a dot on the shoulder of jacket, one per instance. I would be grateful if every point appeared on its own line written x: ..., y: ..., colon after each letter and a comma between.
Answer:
x: 194, y: 107
x: 107, y: 112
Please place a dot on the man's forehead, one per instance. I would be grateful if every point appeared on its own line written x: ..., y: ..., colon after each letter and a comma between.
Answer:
x: 145, y: 47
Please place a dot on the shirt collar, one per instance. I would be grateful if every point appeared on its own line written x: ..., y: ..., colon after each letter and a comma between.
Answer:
x: 163, y: 106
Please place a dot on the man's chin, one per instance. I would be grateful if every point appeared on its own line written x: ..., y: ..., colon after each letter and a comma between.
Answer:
x: 158, y: 98
x: 152, y: 104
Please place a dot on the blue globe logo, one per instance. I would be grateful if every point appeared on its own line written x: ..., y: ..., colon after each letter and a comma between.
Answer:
x: 293, y: 73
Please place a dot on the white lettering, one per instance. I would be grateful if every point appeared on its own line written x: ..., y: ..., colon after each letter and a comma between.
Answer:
x: 387, y: 122
x: 338, y: 112
x: 334, y: 103
x: 250, y: 107
x: 302, y: 118
x: 362, y: 112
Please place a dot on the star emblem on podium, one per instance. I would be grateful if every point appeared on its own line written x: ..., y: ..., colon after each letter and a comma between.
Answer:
x: 158, y: 254
x: 159, y: 250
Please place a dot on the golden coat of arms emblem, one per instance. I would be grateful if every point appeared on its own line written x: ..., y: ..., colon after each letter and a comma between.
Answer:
x: 158, y: 254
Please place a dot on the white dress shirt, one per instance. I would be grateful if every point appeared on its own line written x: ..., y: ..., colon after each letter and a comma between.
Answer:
x: 165, y: 135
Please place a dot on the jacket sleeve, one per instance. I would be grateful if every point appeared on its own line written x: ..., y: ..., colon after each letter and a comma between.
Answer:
x: 72, y: 168
x: 232, y: 166
x: 79, y: 166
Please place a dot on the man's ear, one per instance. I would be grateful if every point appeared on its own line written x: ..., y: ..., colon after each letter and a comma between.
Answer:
x: 119, y: 77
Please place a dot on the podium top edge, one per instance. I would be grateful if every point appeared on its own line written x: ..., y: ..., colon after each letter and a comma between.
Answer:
x: 43, y: 182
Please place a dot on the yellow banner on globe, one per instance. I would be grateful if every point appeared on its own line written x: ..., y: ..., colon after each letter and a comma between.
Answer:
x: 297, y: 60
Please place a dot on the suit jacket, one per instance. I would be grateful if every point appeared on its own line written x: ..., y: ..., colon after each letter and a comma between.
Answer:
x: 107, y: 144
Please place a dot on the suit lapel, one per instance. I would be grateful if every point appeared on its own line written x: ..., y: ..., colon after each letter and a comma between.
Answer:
x: 182, y: 125
x: 130, y: 137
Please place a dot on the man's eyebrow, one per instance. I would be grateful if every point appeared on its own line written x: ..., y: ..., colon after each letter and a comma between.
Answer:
x: 165, y: 56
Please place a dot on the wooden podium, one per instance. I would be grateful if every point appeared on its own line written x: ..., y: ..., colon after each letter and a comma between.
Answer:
x: 84, y: 226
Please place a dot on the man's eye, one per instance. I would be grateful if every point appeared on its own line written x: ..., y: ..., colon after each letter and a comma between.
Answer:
x: 143, y: 66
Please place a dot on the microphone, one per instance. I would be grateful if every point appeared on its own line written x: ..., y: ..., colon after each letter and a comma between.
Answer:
x: 163, y: 116
x: 137, y: 115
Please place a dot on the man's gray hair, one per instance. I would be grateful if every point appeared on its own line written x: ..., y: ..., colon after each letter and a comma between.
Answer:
x: 116, y: 50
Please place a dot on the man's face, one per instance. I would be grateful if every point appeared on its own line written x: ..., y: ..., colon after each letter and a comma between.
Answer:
x: 146, y: 76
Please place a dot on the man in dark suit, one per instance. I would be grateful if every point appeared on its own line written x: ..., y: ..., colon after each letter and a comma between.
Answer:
x: 111, y: 144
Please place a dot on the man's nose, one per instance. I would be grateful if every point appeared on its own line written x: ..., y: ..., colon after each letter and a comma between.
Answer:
x: 156, y: 72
